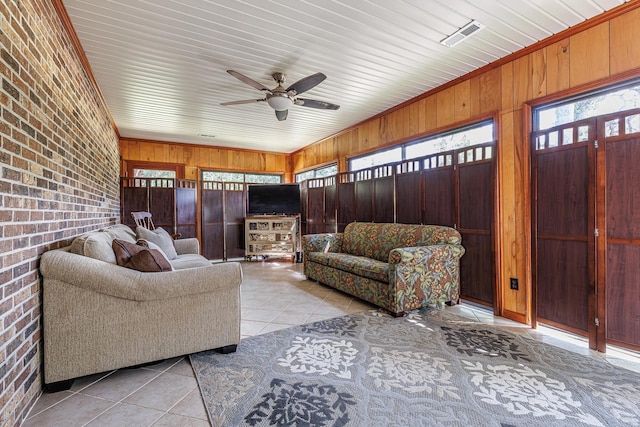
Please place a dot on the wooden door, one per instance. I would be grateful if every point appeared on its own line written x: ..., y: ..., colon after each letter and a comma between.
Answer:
x: 330, y: 208
x: 383, y: 194
x: 234, y: 213
x: 619, y: 240
x: 186, y: 208
x: 162, y: 203
x: 134, y: 197
x: 212, y: 219
x: 439, y: 188
x: 564, y: 211
x: 409, y: 194
x: 587, y: 228
x: 315, y: 209
x: 364, y: 196
x: 476, y: 196
x: 303, y: 207
x: 346, y: 200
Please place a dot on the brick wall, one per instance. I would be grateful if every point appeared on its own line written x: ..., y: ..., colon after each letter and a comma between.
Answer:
x: 59, y: 178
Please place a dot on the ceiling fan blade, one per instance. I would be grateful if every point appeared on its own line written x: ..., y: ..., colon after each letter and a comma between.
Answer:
x: 248, y: 81
x: 282, y: 115
x: 246, y: 101
x: 306, y: 83
x: 312, y: 103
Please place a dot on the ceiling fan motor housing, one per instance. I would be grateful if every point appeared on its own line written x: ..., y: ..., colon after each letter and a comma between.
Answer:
x: 279, y: 77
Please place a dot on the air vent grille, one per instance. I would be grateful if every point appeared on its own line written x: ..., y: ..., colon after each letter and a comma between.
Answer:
x: 464, y: 32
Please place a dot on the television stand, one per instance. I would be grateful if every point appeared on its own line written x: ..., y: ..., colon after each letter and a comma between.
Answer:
x: 271, y: 236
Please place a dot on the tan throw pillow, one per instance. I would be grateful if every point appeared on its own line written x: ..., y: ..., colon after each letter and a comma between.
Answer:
x: 139, y: 258
x: 161, y: 238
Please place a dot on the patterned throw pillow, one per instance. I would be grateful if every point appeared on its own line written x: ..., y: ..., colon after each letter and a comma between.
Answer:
x: 138, y: 257
x: 161, y: 238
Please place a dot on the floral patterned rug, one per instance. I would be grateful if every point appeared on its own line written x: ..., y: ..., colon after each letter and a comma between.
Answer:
x: 430, y: 368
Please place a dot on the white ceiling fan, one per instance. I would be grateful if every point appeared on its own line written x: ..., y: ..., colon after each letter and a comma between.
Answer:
x: 279, y: 98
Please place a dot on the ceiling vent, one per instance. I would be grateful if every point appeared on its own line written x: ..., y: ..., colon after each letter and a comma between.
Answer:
x: 464, y: 32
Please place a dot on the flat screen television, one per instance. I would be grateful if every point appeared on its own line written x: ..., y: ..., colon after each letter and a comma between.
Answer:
x: 273, y: 199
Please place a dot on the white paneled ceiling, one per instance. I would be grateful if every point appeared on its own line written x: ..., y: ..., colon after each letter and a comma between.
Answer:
x: 161, y: 64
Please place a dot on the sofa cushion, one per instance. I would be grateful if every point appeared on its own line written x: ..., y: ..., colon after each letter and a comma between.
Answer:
x: 189, y: 261
x: 378, y: 240
x: 161, y: 238
x: 361, y: 266
x: 95, y: 245
x: 122, y: 232
x: 138, y: 257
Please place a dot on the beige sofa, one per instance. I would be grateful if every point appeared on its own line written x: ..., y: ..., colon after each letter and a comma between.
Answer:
x: 98, y: 316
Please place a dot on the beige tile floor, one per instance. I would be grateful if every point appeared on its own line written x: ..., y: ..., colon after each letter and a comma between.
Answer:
x: 275, y: 295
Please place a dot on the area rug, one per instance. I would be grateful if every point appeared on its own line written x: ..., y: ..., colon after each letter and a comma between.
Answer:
x: 430, y: 368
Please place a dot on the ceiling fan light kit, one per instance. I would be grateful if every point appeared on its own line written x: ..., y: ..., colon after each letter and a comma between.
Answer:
x: 280, y: 99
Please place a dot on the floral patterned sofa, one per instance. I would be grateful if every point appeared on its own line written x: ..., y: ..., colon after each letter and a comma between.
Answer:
x: 398, y: 267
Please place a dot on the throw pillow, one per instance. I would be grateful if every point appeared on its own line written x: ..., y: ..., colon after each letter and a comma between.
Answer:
x: 137, y: 257
x: 161, y: 238
x: 150, y: 245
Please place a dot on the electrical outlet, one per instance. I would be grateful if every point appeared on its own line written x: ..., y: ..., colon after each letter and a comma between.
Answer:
x: 513, y: 282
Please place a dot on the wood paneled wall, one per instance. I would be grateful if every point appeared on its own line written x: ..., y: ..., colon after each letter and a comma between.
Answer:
x: 592, y: 54
x: 196, y: 157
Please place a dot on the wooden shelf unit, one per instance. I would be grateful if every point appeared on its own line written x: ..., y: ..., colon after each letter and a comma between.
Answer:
x: 271, y: 236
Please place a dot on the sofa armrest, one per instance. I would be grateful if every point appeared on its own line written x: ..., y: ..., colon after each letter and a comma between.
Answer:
x: 189, y: 245
x: 110, y: 279
x: 318, y: 242
x: 425, y: 274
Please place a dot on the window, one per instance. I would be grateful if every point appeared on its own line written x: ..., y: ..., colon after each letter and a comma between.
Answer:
x: 153, y: 173
x: 611, y: 101
x: 317, y: 173
x: 221, y: 176
x: 376, y: 159
x: 452, y: 141
x: 460, y: 138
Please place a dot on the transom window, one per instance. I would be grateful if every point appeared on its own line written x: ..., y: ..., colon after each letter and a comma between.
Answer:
x: 317, y: 173
x: 252, y: 178
x: 460, y: 138
x: 612, y: 100
x: 154, y: 173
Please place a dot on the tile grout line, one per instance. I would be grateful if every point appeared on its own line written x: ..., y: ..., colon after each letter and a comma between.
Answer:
x: 121, y: 401
x: 71, y: 394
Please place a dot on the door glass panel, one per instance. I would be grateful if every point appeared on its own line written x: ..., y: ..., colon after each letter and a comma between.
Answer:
x: 583, y: 133
x: 541, y: 140
x: 567, y: 136
x: 612, y: 128
x: 553, y: 139
x: 632, y: 124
